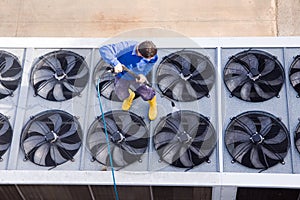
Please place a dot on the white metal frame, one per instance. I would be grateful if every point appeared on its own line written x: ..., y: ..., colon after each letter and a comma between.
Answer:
x: 211, y: 179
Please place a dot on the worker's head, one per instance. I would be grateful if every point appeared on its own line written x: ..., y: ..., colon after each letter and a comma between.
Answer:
x: 146, y: 49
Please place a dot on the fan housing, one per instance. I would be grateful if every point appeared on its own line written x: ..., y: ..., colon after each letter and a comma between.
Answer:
x: 257, y: 139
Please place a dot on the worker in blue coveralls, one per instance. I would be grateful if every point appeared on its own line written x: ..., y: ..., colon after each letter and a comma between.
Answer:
x: 139, y: 58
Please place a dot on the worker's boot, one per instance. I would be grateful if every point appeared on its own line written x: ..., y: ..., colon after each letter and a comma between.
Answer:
x: 152, y: 109
x: 127, y: 102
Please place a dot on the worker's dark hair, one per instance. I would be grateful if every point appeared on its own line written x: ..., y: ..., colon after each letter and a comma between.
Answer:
x: 147, y: 49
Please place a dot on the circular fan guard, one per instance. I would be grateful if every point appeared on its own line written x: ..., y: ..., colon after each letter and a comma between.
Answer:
x: 51, y: 138
x: 6, y: 133
x: 254, y: 76
x: 297, y: 138
x: 128, y: 136
x: 294, y: 74
x: 59, y: 75
x: 184, y: 139
x: 257, y: 140
x: 185, y: 76
x: 107, y: 81
x: 10, y: 74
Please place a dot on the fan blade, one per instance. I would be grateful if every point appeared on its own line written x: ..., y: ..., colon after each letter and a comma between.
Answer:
x: 42, y: 75
x: 177, y: 90
x: 247, y: 124
x: 4, y: 90
x: 71, y: 87
x: 102, y: 154
x: 255, y: 158
x: 170, y: 152
x: 126, y: 122
x: 45, y: 88
x: 58, y: 92
x: 269, y: 66
x: 241, y: 150
x: 67, y: 146
x: 56, y: 121
x: 184, y: 61
x: 40, y: 154
x: 9, y: 61
x: 295, y: 78
x: 185, y: 158
x: 163, y: 138
x: 71, y: 62
x: 251, y: 61
x: 96, y: 138
x: 56, y: 155
x: 200, y: 68
x: 141, y: 133
x: 11, y: 78
x: 246, y: 91
x: 191, y: 91
x: 271, y: 154
x: 279, y: 138
x: 81, y: 74
x: 266, y: 125
x: 261, y: 93
x: 111, y: 125
x: 33, y: 142
x: 169, y: 70
x: 53, y: 62
x: 5, y: 127
x: 236, y: 136
x: 39, y: 127
x: 4, y: 147
x: 167, y: 82
x: 235, y: 82
x: 236, y: 69
x: 73, y: 129
x: 118, y: 157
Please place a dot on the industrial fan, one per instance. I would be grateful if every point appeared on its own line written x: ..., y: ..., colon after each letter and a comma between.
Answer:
x: 184, y: 139
x: 257, y: 139
x: 107, y: 80
x: 51, y: 138
x: 5, y: 135
x: 59, y: 75
x: 10, y: 74
x: 128, y: 138
x: 297, y: 138
x: 185, y: 76
x: 254, y: 76
x: 294, y: 74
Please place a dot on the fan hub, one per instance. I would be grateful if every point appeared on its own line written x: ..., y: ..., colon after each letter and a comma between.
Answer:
x: 117, y: 137
x: 257, y: 138
x: 60, y: 74
x: 51, y: 137
x: 183, y: 137
x: 254, y: 77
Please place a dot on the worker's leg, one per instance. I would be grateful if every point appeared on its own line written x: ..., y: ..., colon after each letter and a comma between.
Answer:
x: 124, y: 93
x: 148, y: 94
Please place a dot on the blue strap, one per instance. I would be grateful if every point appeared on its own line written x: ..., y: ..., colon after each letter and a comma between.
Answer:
x: 107, y: 141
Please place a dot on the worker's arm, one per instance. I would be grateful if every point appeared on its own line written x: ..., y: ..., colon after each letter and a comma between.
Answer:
x: 111, y: 52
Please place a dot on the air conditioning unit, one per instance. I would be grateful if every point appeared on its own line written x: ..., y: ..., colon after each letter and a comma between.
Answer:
x: 228, y: 114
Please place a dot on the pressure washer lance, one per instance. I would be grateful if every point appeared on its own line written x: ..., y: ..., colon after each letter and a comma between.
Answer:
x: 111, y: 69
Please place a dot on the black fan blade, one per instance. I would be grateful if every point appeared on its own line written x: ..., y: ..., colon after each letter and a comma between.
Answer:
x: 10, y: 74
x: 184, y: 139
x: 128, y: 138
x: 51, y: 138
x: 257, y: 139
x: 59, y: 75
x: 185, y: 76
x: 254, y: 76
